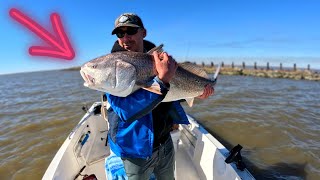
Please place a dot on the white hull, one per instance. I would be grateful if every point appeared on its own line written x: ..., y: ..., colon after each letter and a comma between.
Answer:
x: 198, y: 154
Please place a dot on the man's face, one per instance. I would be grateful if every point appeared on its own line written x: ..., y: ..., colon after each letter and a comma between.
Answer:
x: 130, y: 40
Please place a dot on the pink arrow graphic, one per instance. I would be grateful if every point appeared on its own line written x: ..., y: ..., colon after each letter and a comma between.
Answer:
x: 59, y: 45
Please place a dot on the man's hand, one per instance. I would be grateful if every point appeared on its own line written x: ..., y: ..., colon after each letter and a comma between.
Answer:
x: 208, y: 91
x: 166, y: 67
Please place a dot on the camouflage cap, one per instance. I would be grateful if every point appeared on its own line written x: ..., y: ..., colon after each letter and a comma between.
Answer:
x: 127, y: 19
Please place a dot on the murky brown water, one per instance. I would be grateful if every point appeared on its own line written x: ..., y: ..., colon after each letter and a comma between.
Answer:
x: 277, y: 121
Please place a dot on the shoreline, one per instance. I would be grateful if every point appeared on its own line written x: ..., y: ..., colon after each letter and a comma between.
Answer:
x: 297, y: 74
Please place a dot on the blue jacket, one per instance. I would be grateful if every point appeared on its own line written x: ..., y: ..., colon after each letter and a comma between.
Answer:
x: 131, y: 122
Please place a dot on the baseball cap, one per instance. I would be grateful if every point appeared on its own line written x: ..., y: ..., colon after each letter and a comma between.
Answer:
x: 127, y: 19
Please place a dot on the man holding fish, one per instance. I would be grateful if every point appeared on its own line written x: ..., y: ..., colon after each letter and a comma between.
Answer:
x: 140, y: 117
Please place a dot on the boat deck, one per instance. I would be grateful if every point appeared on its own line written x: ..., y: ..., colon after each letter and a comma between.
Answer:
x: 198, y: 154
x: 184, y: 165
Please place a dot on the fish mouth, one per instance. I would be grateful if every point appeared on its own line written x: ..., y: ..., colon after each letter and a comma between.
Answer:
x: 87, y: 78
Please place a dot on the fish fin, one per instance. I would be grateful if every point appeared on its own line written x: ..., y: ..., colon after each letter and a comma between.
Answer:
x: 215, y: 76
x: 194, y: 69
x: 190, y: 101
x: 158, y: 49
x: 154, y: 87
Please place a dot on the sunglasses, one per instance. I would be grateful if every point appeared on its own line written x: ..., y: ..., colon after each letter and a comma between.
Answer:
x: 129, y: 31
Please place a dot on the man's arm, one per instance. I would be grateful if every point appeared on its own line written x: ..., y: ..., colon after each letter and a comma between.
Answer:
x: 142, y: 102
x: 137, y: 104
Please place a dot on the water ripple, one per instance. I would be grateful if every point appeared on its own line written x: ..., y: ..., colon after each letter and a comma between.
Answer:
x: 275, y: 120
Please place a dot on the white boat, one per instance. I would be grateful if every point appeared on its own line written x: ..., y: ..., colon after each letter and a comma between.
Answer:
x: 198, y: 154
